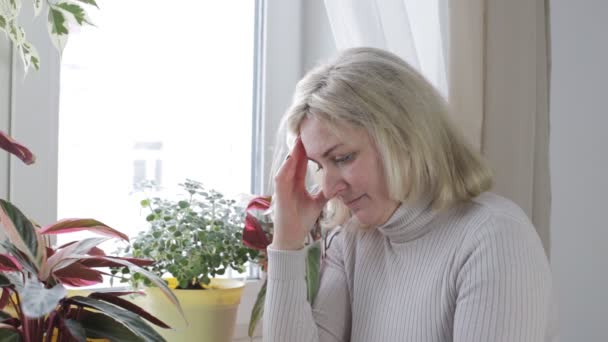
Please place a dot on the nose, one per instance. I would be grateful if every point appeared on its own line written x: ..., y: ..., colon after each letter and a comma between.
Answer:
x: 332, y: 183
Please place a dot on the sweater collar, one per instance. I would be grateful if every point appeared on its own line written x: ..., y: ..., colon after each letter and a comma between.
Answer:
x: 409, y: 221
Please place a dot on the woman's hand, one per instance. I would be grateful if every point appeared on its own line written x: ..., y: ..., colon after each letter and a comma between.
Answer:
x: 296, y: 210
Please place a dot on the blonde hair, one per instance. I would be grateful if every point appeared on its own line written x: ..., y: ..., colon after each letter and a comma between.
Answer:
x: 422, y: 152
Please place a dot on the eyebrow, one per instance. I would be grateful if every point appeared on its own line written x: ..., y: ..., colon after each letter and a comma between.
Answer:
x: 327, y: 152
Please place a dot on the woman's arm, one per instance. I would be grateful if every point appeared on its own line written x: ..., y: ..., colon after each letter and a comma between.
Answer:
x: 504, y: 285
x: 287, y: 314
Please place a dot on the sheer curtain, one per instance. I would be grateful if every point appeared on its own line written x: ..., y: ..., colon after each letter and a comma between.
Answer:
x: 410, y: 29
x: 489, y: 58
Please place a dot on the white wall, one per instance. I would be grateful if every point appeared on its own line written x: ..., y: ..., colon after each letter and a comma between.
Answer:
x: 579, y: 167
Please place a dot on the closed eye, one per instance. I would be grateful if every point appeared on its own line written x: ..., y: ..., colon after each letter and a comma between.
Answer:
x: 345, y: 159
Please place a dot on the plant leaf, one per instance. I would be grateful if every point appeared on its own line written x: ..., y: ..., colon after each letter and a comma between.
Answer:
x: 75, y: 10
x: 29, y: 55
x: 37, y: 7
x: 89, y: 2
x: 75, y: 329
x: 121, y: 293
x: 78, y: 275
x: 4, y: 281
x: 101, y: 326
x: 127, y: 305
x: 313, y: 263
x: 15, y: 33
x: 129, y: 319
x: 9, y: 263
x: 10, y: 9
x: 78, y: 224
x: 64, y: 257
x: 15, y: 279
x: 4, y: 316
x: 253, y: 234
x: 161, y: 284
x: 258, y: 310
x: 23, y: 259
x: 5, y: 296
x: 108, y: 262
x: 57, y: 28
x: 37, y: 301
x: 9, y: 144
x: 8, y: 333
x: 21, y: 232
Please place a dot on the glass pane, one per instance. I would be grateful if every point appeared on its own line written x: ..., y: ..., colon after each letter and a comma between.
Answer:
x: 156, y: 91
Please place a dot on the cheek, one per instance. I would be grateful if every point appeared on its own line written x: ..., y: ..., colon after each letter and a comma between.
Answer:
x: 359, y: 176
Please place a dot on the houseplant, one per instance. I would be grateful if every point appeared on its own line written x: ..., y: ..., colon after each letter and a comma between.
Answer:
x: 257, y: 234
x: 194, y: 239
x: 60, y: 14
x: 34, y: 304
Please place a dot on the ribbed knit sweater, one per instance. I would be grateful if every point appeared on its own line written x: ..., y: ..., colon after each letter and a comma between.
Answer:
x: 474, y: 272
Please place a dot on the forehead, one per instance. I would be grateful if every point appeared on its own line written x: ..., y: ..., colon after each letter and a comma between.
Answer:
x: 318, y: 136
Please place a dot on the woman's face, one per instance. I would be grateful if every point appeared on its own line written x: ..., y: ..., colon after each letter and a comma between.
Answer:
x: 350, y: 169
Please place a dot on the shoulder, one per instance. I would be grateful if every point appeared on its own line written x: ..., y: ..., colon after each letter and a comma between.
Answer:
x: 502, y: 237
x: 490, y: 214
x: 498, y: 216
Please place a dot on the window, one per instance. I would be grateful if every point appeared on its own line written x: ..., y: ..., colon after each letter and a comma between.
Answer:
x: 155, y: 92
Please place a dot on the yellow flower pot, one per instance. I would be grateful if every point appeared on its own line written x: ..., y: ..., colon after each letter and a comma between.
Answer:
x: 211, y: 313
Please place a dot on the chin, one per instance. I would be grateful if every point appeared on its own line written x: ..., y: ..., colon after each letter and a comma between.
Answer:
x: 365, y: 219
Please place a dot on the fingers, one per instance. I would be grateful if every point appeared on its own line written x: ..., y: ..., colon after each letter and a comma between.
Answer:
x: 299, y: 153
x: 287, y: 171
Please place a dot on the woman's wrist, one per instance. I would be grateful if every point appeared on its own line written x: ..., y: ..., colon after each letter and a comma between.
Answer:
x: 286, y: 246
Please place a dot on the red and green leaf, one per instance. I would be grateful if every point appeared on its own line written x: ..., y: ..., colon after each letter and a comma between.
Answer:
x: 9, y: 333
x: 65, y: 256
x: 253, y: 234
x: 4, y: 297
x: 130, y: 320
x: 101, y: 326
x: 78, y: 275
x: 21, y: 232
x: 11, y: 146
x: 108, y: 262
x: 8, y: 263
x: 127, y: 305
x: 259, y: 203
x: 79, y: 224
x: 75, y: 330
x: 160, y: 283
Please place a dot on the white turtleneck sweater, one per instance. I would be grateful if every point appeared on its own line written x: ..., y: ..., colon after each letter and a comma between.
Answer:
x: 475, y: 272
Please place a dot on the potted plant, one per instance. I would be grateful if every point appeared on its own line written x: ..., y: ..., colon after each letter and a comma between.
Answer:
x: 193, y: 240
x: 34, y: 303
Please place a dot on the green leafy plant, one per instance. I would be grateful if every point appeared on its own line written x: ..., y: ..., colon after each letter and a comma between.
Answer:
x: 59, y: 16
x: 193, y: 239
x: 34, y: 303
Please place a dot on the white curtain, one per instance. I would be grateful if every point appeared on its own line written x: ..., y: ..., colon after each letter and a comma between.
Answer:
x: 414, y: 30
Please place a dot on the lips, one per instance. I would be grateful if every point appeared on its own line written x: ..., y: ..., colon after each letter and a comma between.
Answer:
x: 350, y: 203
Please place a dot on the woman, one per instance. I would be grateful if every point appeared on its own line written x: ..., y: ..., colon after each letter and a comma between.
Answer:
x: 424, y: 252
